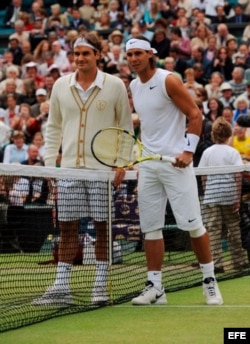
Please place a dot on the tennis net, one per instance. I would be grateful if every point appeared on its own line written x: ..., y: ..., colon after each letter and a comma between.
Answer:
x: 30, y: 207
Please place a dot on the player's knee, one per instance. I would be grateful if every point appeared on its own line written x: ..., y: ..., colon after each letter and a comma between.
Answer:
x: 196, y: 233
x: 154, y: 235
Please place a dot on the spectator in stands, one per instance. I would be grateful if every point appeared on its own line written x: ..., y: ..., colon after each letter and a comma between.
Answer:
x: 31, y: 72
x: 222, y: 206
x: 227, y: 98
x: 35, y: 11
x: 113, y: 13
x: 222, y: 35
x: 12, y: 12
x: 183, y: 44
x: 227, y: 113
x: 87, y: 12
x: 75, y: 20
x: 198, y: 56
x: 244, y: 51
x: 15, y: 49
x: 133, y: 13
x: 220, y: 16
x: 61, y: 119
x: 241, y: 142
x: 49, y: 82
x: 16, y: 152
x: 238, y: 82
x: 186, y: 31
x: 231, y: 46
x: 241, y: 107
x: 239, y: 17
x: 152, y: 14
x: 19, y: 32
x: 116, y: 56
x: 161, y: 43
x: 10, y: 88
x: 201, y: 94
x: 190, y: 84
x: 169, y: 10
x: 213, y: 87
x: 102, y: 23
x: 205, y: 137
x: 56, y: 14
x: 142, y: 25
x: 180, y: 64
x: 38, y: 141
x: 60, y: 55
x: 6, y: 62
x: 12, y: 109
x: 116, y: 38
x: 201, y: 38
x: 33, y: 156
x: 246, y: 93
x: 41, y: 95
x: 223, y: 64
x: 210, y: 7
x: 215, y: 108
x: 37, y: 34
x: 199, y: 74
x: 40, y: 52
x: 25, y: 17
x: 43, y: 116
x: 169, y: 64
x: 12, y: 72
x: 25, y: 123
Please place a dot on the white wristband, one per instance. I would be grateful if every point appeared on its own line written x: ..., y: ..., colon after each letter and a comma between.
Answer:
x: 191, y: 142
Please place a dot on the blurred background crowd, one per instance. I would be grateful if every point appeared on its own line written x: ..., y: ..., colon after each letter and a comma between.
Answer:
x: 206, y: 43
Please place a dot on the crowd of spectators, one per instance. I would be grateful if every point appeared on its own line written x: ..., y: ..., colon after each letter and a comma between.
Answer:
x: 192, y: 37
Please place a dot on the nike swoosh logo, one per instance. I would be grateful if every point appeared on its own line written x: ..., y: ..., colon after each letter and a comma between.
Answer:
x: 158, y: 296
x: 151, y: 87
x: 191, y: 220
x: 132, y: 42
x: 188, y: 143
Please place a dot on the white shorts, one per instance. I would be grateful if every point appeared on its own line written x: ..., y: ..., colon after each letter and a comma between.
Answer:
x: 160, y: 181
x: 82, y: 198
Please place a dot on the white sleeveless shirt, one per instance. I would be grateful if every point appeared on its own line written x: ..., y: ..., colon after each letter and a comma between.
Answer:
x: 162, y: 123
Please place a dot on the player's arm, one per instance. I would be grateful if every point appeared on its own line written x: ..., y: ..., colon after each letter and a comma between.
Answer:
x: 186, y: 104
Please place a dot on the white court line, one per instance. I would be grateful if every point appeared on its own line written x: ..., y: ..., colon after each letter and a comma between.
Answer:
x: 182, y: 306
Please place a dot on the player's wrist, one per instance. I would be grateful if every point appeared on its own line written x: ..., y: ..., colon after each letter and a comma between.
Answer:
x: 191, y: 142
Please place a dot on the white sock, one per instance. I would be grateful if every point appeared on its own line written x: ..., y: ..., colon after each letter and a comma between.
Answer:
x: 207, y: 270
x: 63, y: 274
x: 155, y: 277
x: 101, y: 273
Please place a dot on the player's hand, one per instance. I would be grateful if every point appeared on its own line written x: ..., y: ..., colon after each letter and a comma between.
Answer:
x: 183, y: 160
x: 119, y: 175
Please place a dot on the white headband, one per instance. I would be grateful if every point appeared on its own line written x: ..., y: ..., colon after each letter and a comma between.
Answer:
x: 135, y: 43
x: 81, y: 41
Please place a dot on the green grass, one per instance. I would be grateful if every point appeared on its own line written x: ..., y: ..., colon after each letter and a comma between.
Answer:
x: 184, y: 320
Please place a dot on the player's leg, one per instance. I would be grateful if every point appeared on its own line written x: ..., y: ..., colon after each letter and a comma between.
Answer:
x: 99, y: 210
x: 152, y: 204
x: 68, y: 217
x: 99, y: 293
x: 183, y: 194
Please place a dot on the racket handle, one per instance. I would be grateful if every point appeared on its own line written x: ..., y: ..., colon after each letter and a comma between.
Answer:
x: 168, y: 159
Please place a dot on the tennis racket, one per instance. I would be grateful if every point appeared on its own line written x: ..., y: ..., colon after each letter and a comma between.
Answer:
x: 116, y: 147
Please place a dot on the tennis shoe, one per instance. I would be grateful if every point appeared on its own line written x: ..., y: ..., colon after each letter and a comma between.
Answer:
x: 150, y: 295
x: 212, y: 292
x: 54, y: 296
x: 99, y: 295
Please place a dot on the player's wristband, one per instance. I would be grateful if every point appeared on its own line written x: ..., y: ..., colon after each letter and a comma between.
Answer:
x: 191, y: 142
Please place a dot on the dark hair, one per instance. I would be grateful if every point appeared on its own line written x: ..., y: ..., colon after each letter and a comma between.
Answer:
x: 176, y: 30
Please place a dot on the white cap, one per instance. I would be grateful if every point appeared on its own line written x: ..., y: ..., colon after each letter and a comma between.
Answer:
x: 225, y: 86
x: 54, y: 66
x: 31, y: 64
x: 41, y: 92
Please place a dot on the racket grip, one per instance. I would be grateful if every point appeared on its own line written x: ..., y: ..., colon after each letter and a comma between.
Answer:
x: 168, y: 159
